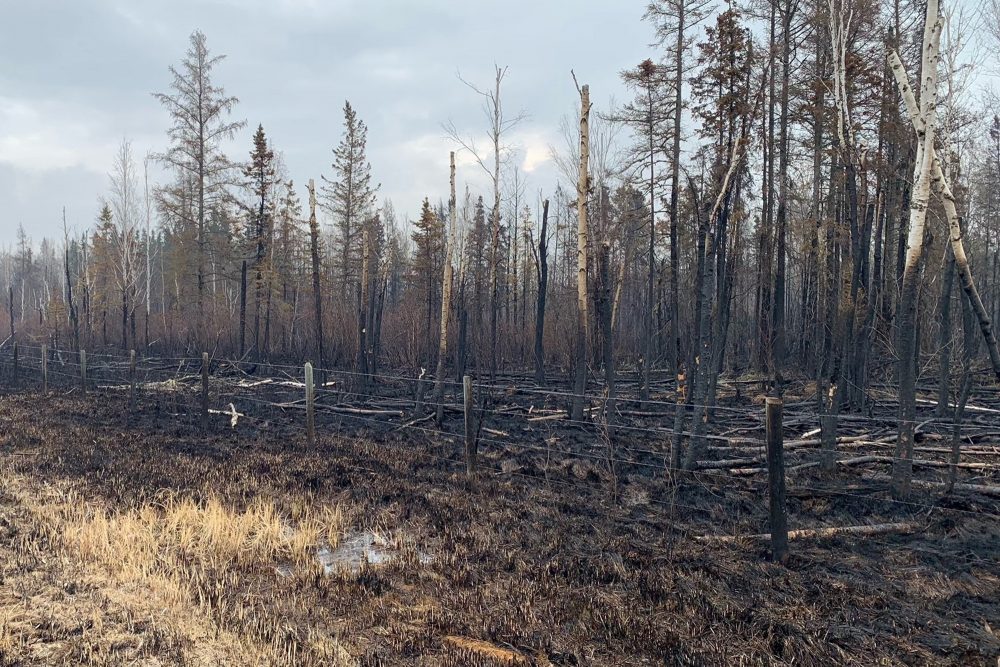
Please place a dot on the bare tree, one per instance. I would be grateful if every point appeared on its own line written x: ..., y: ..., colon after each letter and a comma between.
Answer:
x: 582, y: 196
x: 127, y: 241
x: 499, y: 126
x: 446, y: 281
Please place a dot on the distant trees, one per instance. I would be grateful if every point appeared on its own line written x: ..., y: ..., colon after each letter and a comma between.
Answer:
x: 781, y: 207
x: 499, y: 125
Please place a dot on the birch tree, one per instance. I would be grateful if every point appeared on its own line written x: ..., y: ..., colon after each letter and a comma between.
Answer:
x: 926, y: 115
x: 127, y: 239
x: 582, y: 196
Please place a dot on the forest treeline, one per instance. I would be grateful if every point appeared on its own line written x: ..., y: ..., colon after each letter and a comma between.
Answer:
x: 794, y: 189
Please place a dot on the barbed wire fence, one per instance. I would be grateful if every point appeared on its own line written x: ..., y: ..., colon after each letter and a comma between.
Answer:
x: 505, y: 422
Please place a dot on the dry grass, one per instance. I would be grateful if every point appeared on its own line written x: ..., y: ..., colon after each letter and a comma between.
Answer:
x: 170, y: 562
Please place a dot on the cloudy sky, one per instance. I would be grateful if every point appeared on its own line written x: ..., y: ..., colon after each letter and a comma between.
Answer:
x: 76, y: 77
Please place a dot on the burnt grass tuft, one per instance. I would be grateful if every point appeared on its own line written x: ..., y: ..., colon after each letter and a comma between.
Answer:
x: 547, y: 564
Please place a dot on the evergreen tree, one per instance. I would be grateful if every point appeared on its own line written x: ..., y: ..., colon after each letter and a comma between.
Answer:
x: 260, y: 173
x: 349, y: 196
x: 428, y: 262
x: 199, y: 110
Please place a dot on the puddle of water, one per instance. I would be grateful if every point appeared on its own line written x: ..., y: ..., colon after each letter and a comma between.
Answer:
x: 352, y: 551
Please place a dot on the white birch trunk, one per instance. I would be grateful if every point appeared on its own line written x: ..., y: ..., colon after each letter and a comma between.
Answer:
x: 582, y: 193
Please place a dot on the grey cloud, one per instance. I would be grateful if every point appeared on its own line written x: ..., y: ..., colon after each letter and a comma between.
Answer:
x: 91, y: 67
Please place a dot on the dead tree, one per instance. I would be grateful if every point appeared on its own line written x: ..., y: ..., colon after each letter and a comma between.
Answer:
x: 604, y: 318
x: 945, y: 341
x: 243, y: 308
x: 500, y: 123
x: 71, y: 307
x: 582, y: 193
x: 970, y: 342
x: 446, y: 281
x: 317, y: 292
x: 542, y: 273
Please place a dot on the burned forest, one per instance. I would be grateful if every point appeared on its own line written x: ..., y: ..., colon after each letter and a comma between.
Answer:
x: 687, y: 358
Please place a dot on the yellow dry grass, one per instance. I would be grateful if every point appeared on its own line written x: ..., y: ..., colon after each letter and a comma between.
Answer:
x: 163, y: 563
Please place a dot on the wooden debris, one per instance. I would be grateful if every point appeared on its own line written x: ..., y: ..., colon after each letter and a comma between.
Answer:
x: 480, y: 648
x: 819, y: 533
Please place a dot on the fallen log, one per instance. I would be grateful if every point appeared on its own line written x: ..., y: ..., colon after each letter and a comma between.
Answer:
x: 872, y: 458
x: 726, y: 463
x: 818, y: 533
x: 970, y: 408
x: 986, y: 489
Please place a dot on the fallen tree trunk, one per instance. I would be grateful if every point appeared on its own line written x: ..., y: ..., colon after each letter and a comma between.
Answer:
x: 818, y: 533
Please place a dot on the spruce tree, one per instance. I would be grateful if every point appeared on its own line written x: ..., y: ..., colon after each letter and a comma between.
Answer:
x: 349, y: 196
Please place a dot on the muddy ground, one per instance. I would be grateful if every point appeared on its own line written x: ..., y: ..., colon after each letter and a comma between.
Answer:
x: 541, y: 559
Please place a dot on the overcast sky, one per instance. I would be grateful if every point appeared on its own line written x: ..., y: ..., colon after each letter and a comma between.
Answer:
x: 76, y: 77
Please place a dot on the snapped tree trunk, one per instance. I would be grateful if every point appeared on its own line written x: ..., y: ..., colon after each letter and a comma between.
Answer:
x: 446, y: 297
x: 543, y: 281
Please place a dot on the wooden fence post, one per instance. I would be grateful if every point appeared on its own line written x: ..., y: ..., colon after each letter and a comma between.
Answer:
x: 310, y: 410
x: 83, y: 371
x: 204, y: 391
x: 14, y: 378
x: 131, y: 381
x: 470, y: 436
x: 776, y: 480
x: 45, y: 369
x: 418, y: 403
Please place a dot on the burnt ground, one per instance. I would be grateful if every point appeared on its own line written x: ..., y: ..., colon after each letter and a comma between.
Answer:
x: 541, y: 559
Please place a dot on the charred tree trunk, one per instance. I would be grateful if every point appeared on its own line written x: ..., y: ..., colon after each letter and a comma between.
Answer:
x: 543, y: 282
x: 243, y: 308
x: 970, y: 343
x: 945, y: 340
x: 675, y: 183
x: 604, y: 314
x: 446, y: 296
x: 317, y: 292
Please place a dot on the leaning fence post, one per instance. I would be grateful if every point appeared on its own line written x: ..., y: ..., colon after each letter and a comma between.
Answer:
x: 310, y: 411
x: 204, y: 391
x: 776, y: 480
x: 131, y: 381
x: 470, y: 436
x: 45, y: 369
x: 83, y: 370
x: 14, y: 379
